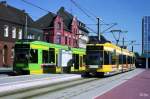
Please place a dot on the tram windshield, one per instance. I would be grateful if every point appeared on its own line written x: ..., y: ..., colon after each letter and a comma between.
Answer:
x: 21, y: 53
x: 94, y: 56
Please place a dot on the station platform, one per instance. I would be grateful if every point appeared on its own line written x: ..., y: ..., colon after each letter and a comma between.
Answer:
x: 137, y: 87
x: 4, y: 80
x: 9, y: 85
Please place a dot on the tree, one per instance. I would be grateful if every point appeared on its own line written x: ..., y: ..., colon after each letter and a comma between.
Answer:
x: 137, y: 55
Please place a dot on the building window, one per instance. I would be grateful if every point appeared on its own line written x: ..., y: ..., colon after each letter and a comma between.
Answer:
x: 39, y: 38
x: 65, y: 39
x: 59, y: 26
x: 5, y: 54
x: 76, y: 44
x: 6, y: 30
x: 73, y: 42
x: 12, y: 53
x: 69, y: 41
x: 31, y: 36
x: 20, y: 34
x: 47, y: 38
x: 28, y: 37
x: 13, y: 32
x: 58, y: 39
x: 74, y: 31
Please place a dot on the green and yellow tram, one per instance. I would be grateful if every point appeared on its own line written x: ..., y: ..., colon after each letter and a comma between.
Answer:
x: 108, y: 59
x: 37, y: 57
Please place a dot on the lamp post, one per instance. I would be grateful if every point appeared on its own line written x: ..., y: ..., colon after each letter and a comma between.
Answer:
x: 98, y: 29
x: 26, y: 26
x: 99, y: 32
x: 132, y: 44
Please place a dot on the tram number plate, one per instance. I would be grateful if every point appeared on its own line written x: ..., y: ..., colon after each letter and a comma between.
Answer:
x: 93, y: 66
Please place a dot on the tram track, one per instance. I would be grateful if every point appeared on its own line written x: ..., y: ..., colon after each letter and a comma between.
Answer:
x: 103, y: 84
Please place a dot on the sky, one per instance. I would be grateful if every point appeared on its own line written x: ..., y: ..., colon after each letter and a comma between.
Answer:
x: 127, y: 14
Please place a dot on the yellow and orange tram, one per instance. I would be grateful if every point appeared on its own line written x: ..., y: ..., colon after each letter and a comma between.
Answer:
x: 108, y: 59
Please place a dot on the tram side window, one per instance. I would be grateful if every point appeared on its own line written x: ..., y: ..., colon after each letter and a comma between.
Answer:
x: 84, y: 59
x: 120, y: 59
x: 124, y: 59
x: 114, y: 58
x: 45, y: 56
x: 33, y: 56
x: 52, y: 55
x: 106, y: 58
x: 129, y: 60
x: 133, y: 60
x: 76, y: 61
x: 81, y: 62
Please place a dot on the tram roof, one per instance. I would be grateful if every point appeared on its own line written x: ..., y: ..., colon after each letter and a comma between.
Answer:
x: 111, y: 47
x: 51, y: 45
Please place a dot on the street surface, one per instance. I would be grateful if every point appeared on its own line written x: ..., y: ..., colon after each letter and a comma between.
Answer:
x: 91, y: 89
x: 135, y: 88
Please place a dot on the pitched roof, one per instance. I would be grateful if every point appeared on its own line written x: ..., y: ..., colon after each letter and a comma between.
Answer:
x: 45, y: 21
x: 82, y: 26
x: 94, y: 39
x: 67, y: 18
x: 14, y: 15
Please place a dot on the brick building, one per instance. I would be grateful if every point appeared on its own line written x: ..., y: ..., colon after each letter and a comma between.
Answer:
x: 61, y: 28
x: 12, y: 28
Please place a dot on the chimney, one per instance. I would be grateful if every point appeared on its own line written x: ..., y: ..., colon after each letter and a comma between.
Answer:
x: 3, y: 3
x: 23, y: 11
x: 62, y: 8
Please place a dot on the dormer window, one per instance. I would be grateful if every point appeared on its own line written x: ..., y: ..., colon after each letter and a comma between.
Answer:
x: 6, y: 30
x: 59, y: 26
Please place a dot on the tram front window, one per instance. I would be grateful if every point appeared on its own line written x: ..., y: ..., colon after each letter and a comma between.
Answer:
x: 21, y: 55
x: 94, y: 58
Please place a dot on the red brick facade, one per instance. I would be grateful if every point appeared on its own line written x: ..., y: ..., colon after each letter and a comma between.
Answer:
x: 6, y: 53
x: 57, y: 34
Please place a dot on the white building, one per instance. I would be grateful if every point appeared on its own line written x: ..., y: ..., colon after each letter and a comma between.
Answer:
x: 83, y: 35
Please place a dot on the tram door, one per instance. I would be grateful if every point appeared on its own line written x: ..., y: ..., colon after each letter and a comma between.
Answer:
x: 76, y: 61
x: 81, y: 61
